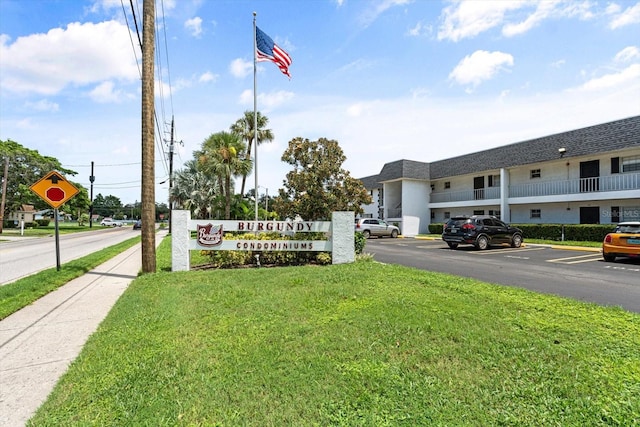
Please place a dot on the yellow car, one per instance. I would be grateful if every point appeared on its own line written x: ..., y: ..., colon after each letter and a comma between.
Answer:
x: 624, y: 241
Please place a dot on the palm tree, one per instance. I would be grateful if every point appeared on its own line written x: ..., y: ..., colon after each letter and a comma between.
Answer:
x: 222, y: 155
x: 244, y: 128
x: 194, y: 190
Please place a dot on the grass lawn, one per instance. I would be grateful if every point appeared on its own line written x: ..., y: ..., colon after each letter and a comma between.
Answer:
x: 363, y: 344
x: 22, y: 292
x: 63, y: 228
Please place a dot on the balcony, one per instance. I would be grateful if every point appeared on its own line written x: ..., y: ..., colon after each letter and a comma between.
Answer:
x: 618, y: 182
x: 461, y: 196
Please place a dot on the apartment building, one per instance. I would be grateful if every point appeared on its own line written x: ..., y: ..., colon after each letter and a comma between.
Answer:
x: 584, y: 176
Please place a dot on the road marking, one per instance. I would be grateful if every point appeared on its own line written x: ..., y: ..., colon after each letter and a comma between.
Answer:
x: 616, y: 267
x: 517, y: 257
x: 501, y: 251
x: 576, y: 259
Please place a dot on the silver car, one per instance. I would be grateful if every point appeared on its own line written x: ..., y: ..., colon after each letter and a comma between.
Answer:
x: 376, y: 227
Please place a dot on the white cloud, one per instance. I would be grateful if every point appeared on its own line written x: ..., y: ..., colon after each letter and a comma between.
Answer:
x: 419, y: 30
x: 43, y: 105
x: 266, y: 101
x: 628, y: 54
x: 81, y: 54
x: 622, y: 79
x: 105, y: 92
x: 208, y: 77
x: 240, y: 68
x: 542, y: 12
x: 480, y: 66
x: 377, y: 8
x: 630, y: 16
x: 470, y: 18
x: 558, y: 64
x: 194, y: 25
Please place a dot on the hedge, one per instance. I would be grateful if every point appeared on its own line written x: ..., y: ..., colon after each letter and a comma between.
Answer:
x: 574, y: 232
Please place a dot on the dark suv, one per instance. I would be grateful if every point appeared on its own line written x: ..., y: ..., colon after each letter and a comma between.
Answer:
x: 480, y: 231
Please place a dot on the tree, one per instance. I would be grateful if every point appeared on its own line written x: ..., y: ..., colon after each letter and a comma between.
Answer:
x: 318, y: 185
x: 25, y: 167
x: 107, y: 206
x: 222, y: 155
x: 194, y: 190
x: 244, y: 128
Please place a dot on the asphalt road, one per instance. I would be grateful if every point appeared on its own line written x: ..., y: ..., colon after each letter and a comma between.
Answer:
x: 24, y: 256
x: 581, y: 275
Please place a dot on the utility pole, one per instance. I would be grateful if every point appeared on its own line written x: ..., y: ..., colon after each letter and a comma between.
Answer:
x: 4, y: 191
x: 170, y: 174
x: 91, y: 179
x: 148, y: 139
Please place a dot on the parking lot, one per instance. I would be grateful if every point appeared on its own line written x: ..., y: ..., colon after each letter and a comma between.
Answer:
x: 578, y: 274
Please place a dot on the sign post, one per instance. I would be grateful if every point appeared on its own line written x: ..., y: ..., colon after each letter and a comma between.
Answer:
x: 54, y: 189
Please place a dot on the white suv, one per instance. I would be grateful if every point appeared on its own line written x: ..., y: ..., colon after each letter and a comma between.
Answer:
x: 109, y: 222
x: 376, y: 227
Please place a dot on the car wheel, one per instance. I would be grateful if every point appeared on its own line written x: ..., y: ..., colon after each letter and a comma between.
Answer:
x: 394, y: 234
x: 482, y: 243
x: 516, y: 241
x: 609, y: 258
x: 452, y: 245
x: 366, y: 234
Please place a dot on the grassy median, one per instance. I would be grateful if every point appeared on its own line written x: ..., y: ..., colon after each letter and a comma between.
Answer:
x: 17, y: 295
x: 349, y: 345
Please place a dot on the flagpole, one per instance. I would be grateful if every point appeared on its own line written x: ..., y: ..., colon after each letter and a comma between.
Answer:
x: 255, y: 114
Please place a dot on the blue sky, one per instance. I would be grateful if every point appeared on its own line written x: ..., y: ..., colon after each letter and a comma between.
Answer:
x: 389, y: 80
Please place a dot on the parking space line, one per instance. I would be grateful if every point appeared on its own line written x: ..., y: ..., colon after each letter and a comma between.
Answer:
x: 576, y: 259
x: 501, y: 251
x: 584, y: 260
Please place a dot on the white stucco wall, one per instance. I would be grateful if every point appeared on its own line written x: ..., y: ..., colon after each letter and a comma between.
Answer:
x: 415, y: 207
x: 371, y: 210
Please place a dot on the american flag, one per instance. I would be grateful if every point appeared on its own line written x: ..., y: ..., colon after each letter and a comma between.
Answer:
x: 269, y: 51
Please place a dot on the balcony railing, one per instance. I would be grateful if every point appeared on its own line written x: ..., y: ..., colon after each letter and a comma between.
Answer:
x: 461, y: 196
x: 394, y: 213
x: 618, y: 182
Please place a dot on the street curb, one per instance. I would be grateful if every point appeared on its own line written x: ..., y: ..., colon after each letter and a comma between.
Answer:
x: 567, y: 248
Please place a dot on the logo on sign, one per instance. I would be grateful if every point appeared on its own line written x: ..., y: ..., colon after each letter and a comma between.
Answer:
x: 209, y: 235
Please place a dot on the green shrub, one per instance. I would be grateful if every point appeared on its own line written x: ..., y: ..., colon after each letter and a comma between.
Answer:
x: 43, y: 222
x: 575, y: 232
x: 436, y: 228
x: 228, y: 259
x: 359, y: 242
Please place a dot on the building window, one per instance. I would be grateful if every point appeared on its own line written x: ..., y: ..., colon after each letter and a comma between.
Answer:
x: 495, y: 213
x: 433, y: 215
x: 615, y: 214
x: 478, y: 212
x: 536, y: 213
x: 615, y: 165
x: 535, y: 173
x: 447, y: 185
x: 631, y: 164
x: 630, y: 213
x: 447, y: 215
x: 494, y: 180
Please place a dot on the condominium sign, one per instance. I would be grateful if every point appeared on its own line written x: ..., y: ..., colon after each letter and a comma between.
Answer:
x: 210, y: 236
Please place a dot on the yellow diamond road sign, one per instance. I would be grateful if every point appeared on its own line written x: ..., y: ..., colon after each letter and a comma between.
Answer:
x: 54, y: 189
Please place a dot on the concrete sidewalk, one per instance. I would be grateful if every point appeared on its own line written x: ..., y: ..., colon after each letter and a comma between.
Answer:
x: 38, y: 343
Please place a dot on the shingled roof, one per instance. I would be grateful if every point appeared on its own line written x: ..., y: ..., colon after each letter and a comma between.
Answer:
x: 404, y: 169
x: 601, y: 138
x: 371, y: 182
